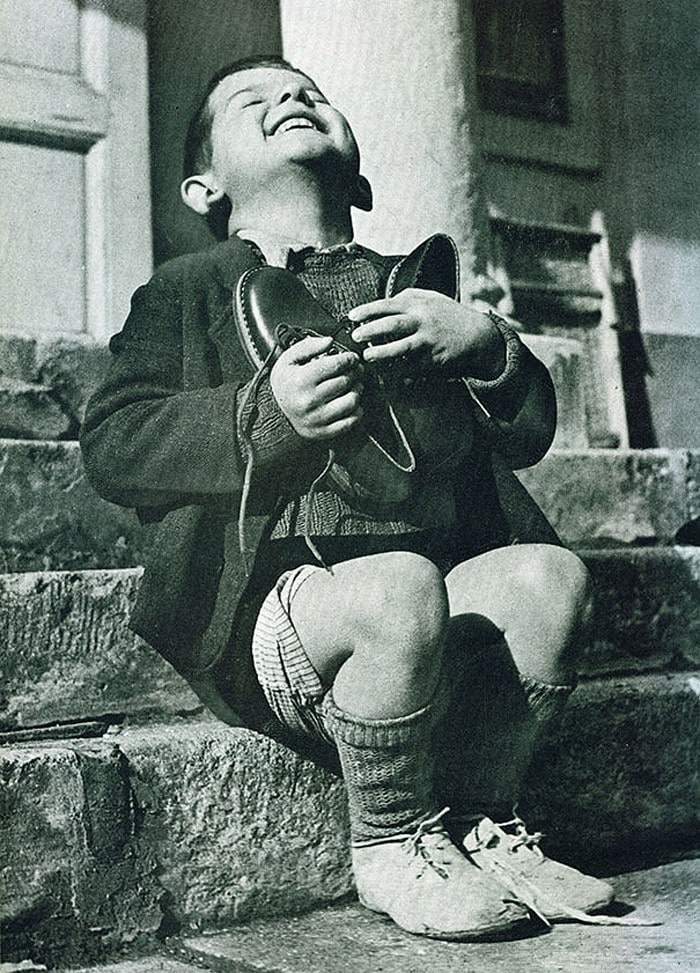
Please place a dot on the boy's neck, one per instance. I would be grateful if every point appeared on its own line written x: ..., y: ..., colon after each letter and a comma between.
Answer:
x: 299, y: 213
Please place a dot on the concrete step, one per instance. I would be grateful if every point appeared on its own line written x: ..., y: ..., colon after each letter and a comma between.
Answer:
x: 160, y: 829
x: 348, y: 939
x: 66, y: 652
x: 596, y: 498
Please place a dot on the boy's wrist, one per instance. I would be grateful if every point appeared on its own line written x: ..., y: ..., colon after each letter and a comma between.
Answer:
x: 498, y: 363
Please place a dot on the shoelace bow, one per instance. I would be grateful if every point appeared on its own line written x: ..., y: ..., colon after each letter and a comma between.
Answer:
x: 522, y: 837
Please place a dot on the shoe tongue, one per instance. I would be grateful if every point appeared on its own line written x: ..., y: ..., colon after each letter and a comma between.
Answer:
x: 482, y: 834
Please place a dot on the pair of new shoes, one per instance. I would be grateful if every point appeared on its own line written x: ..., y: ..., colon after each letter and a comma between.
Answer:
x: 428, y: 886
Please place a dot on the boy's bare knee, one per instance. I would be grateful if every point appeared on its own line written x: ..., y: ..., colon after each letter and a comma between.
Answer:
x: 405, y: 612
x: 558, y: 576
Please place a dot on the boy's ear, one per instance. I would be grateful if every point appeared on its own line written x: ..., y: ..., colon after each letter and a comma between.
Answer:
x: 363, y: 194
x: 201, y: 193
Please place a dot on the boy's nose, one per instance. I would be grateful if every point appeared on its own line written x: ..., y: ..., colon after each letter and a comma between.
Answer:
x: 294, y: 91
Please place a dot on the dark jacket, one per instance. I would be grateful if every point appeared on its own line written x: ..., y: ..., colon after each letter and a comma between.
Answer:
x: 160, y: 436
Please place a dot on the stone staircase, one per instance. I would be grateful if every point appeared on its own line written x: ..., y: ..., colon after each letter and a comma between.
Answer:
x: 132, y: 815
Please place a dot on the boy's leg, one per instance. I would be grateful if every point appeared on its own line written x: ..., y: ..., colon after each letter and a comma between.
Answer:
x: 374, y: 632
x: 519, y: 616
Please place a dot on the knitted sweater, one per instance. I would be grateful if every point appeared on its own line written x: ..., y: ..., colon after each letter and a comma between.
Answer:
x: 341, y: 279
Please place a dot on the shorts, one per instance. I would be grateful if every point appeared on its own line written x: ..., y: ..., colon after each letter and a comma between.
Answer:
x: 291, y: 685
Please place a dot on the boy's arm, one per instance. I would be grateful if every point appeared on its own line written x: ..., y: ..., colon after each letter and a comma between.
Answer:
x: 518, y: 404
x: 149, y: 442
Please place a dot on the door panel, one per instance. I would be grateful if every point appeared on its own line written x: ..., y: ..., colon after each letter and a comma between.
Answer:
x: 75, y: 210
x: 42, y: 224
x: 45, y: 34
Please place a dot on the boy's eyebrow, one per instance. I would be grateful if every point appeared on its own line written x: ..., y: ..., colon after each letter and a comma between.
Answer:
x: 241, y: 91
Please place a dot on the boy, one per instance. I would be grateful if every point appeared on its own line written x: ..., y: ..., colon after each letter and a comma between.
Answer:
x: 435, y: 650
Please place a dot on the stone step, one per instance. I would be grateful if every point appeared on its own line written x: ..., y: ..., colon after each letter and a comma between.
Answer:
x: 348, y: 938
x: 67, y: 654
x: 565, y: 359
x: 45, y: 385
x: 153, y: 963
x: 160, y: 829
x: 65, y: 371
x: 610, y: 498
x: 29, y: 410
x: 54, y: 521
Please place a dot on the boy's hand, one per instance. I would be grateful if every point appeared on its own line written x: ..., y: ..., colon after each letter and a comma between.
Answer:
x: 427, y: 330
x: 318, y: 393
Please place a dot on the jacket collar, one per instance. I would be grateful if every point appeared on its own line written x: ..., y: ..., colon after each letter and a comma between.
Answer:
x: 231, y: 259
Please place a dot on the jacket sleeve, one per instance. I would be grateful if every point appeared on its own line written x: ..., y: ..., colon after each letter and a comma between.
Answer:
x: 517, y: 409
x: 147, y: 440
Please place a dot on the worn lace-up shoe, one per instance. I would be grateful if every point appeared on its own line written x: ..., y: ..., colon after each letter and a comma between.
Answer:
x: 510, y: 854
x: 427, y: 886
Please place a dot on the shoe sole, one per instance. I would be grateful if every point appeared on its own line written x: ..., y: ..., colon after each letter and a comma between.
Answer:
x: 507, y: 929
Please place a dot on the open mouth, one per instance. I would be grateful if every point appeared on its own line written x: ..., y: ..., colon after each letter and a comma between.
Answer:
x: 298, y: 121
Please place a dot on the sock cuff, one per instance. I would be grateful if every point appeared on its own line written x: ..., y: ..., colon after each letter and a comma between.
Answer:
x: 389, y: 734
x: 545, y: 700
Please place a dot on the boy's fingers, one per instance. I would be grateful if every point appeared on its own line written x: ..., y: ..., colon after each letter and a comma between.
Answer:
x: 344, y: 407
x: 338, y: 428
x: 325, y: 367
x: 373, y: 309
x: 391, y: 349
x: 307, y: 349
x: 334, y: 387
x: 383, y: 328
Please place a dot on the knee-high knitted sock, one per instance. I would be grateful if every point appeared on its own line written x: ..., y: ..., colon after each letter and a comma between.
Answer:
x: 388, y: 769
x: 486, y: 741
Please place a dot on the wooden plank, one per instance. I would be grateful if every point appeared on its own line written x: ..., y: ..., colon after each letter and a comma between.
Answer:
x: 46, y: 106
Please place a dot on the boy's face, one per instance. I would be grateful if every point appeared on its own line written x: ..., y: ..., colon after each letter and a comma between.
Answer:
x: 266, y: 118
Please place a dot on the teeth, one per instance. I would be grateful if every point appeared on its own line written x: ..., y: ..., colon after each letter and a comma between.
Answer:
x: 296, y: 123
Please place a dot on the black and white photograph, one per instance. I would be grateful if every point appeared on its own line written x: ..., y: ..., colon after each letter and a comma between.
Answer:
x: 349, y: 486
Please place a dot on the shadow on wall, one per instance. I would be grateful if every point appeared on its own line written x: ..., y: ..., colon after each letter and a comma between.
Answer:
x: 634, y: 364
x: 187, y: 44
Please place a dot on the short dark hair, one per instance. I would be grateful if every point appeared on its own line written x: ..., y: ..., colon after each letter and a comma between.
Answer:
x: 198, y: 148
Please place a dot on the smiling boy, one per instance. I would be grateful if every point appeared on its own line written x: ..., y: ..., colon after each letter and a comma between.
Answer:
x: 436, y: 649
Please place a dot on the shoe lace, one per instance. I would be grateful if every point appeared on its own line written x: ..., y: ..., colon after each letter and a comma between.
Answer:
x: 244, y: 423
x: 520, y: 836
x: 529, y: 892
x: 415, y: 844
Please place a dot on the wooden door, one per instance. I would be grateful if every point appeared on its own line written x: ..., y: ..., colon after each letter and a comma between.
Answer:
x: 75, y: 206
